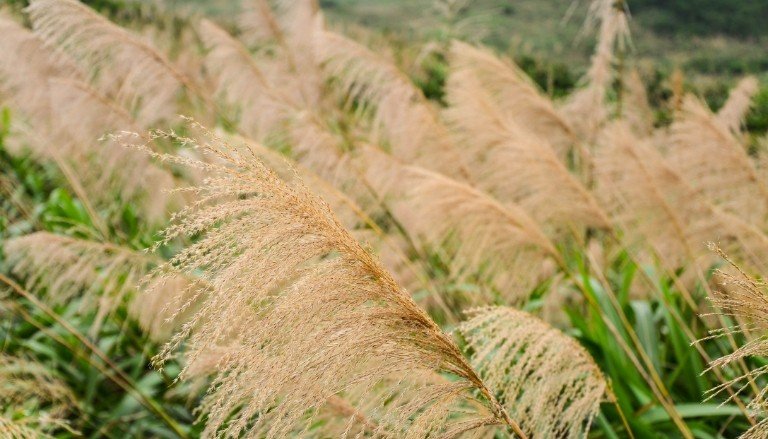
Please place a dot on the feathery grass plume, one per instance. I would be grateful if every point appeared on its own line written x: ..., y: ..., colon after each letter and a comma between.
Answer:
x: 345, y: 208
x: 545, y: 379
x: 240, y: 82
x: 745, y: 300
x: 63, y: 268
x: 677, y: 85
x: 636, y: 109
x: 515, y: 165
x: 403, y: 119
x: 516, y: 96
x: 65, y: 117
x: 712, y: 160
x: 759, y: 431
x: 392, y: 249
x: 164, y: 305
x: 104, y: 167
x: 306, y: 311
x: 28, y: 387
x: 586, y: 109
x: 11, y: 429
x: 294, y: 25
x: 735, y: 109
x: 119, y: 63
x: 26, y: 65
x: 647, y: 200
x: 499, y: 243
x: 259, y: 23
x: 656, y: 206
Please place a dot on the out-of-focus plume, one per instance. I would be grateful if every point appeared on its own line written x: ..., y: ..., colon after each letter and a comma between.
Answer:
x: 501, y: 244
x: 515, y: 95
x: 515, y: 165
x: 403, y: 119
x: 712, y: 160
x: 119, y: 63
x: 586, y: 109
x: 735, y: 109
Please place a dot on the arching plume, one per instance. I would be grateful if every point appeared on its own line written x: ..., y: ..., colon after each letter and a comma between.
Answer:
x: 745, y: 300
x: 60, y: 118
x: 499, y: 243
x: 409, y: 125
x: 25, y: 384
x: 119, y: 63
x: 514, y: 165
x: 241, y: 83
x: 735, y: 109
x: 515, y: 95
x: 292, y: 27
x: 636, y: 110
x: 259, y: 23
x: 656, y: 206
x: 65, y: 268
x: 545, y: 379
x: 104, y: 167
x: 26, y: 66
x: 647, y: 200
x: 712, y: 160
x: 274, y: 257
x: 586, y: 109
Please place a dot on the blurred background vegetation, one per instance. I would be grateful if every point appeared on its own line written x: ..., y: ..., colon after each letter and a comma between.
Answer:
x: 714, y: 42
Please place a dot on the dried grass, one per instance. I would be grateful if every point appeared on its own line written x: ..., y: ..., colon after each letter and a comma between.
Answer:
x: 545, y: 379
x: 713, y: 161
x: 515, y: 165
x: 739, y: 102
x: 500, y: 244
x: 403, y: 120
x: 512, y: 92
x: 118, y: 63
x: 273, y: 256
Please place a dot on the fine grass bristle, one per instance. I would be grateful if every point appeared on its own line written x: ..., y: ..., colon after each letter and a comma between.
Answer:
x: 545, y: 379
x: 273, y: 256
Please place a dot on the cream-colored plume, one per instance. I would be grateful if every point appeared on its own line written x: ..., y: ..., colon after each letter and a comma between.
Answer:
x: 713, y: 161
x: 119, y: 63
x: 242, y: 85
x: 513, y: 93
x: 636, y: 110
x: 545, y: 379
x: 655, y: 205
x: 499, y: 244
x: 515, y: 165
x: 306, y: 313
x: 586, y: 109
x: 408, y: 125
x: 735, y: 109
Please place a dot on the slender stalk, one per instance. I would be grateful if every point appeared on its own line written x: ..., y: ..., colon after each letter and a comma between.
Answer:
x: 121, y: 379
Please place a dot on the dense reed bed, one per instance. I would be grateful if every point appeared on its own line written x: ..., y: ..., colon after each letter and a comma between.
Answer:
x: 317, y: 248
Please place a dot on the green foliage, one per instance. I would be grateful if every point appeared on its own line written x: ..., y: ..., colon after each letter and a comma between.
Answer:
x: 431, y: 81
x: 107, y: 405
x: 556, y: 78
x: 658, y: 329
x: 757, y: 119
x: 742, y: 19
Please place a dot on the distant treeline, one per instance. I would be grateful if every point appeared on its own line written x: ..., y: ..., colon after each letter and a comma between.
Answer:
x: 736, y: 18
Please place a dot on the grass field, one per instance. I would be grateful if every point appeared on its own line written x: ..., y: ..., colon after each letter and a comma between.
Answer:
x: 382, y: 219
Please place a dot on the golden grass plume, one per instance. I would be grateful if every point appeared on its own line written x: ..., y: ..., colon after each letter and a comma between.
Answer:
x: 118, y: 63
x: 545, y: 379
x: 273, y: 257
